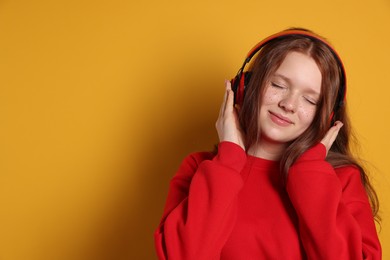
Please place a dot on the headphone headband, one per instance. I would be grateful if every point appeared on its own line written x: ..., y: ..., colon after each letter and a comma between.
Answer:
x: 239, y: 82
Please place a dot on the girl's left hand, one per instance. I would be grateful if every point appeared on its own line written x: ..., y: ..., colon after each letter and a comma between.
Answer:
x: 331, y: 135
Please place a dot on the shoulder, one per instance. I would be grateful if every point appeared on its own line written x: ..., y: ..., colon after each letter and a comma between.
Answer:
x: 351, y: 182
x: 349, y: 175
x: 194, y: 159
x: 230, y: 157
x: 191, y: 162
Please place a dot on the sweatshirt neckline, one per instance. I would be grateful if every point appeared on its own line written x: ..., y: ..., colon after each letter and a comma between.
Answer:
x: 261, y: 162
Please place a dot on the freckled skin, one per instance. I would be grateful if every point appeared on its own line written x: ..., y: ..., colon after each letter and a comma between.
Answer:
x: 297, y: 78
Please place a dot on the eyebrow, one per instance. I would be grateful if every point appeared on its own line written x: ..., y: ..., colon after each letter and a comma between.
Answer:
x: 288, y: 80
x: 283, y: 77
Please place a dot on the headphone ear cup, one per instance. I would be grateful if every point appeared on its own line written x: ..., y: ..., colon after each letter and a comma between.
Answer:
x: 235, y: 86
x: 239, y: 84
x: 247, y: 77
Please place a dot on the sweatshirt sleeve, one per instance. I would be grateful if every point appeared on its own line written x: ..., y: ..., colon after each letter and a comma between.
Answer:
x: 201, y: 206
x: 335, y: 217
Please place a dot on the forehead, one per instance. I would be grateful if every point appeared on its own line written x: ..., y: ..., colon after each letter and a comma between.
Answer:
x: 300, y: 70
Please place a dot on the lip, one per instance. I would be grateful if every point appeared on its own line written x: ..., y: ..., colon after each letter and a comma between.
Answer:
x: 279, y: 119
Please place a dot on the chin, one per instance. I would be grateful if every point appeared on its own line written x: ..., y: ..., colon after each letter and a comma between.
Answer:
x: 278, y: 136
x: 278, y: 139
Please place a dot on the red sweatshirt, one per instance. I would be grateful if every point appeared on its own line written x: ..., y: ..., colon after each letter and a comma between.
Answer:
x: 234, y: 206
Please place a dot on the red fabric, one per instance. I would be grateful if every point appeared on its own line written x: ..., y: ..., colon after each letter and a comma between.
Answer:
x: 234, y: 206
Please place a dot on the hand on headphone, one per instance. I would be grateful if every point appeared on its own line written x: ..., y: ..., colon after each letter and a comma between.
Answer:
x: 227, y: 125
x: 331, y: 135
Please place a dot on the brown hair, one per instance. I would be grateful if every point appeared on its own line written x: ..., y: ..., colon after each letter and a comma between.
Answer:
x: 265, y: 64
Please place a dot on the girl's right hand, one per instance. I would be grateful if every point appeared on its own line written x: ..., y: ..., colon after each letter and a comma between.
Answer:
x: 227, y: 125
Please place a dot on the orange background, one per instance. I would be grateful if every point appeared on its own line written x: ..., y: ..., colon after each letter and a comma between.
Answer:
x: 101, y: 100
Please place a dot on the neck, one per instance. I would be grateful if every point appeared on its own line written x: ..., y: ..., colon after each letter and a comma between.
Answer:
x: 267, y: 149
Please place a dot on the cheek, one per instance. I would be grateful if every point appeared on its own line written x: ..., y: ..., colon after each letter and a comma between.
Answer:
x: 271, y: 96
x: 307, y: 113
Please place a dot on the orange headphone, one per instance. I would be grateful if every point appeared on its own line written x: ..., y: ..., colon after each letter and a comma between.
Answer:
x: 241, y: 80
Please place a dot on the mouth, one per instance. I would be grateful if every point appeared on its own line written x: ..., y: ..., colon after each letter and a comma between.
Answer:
x: 280, y: 120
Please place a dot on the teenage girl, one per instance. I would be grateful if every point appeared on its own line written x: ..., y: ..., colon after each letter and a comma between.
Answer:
x: 282, y: 183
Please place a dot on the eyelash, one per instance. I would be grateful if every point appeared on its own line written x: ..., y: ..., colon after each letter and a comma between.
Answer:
x: 281, y: 87
x: 276, y: 85
x: 311, y: 102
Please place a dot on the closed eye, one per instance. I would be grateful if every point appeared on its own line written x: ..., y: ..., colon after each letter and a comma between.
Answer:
x: 310, y: 101
x: 273, y: 84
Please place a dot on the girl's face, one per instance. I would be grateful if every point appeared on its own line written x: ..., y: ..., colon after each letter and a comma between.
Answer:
x: 290, y: 99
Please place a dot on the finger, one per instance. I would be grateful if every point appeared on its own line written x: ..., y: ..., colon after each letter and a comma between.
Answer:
x: 229, y: 101
x: 331, y: 135
x: 229, y: 96
x: 222, y: 109
x: 333, y: 132
x: 228, y: 85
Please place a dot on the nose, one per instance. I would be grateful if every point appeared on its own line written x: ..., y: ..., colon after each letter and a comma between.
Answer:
x: 289, y: 103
